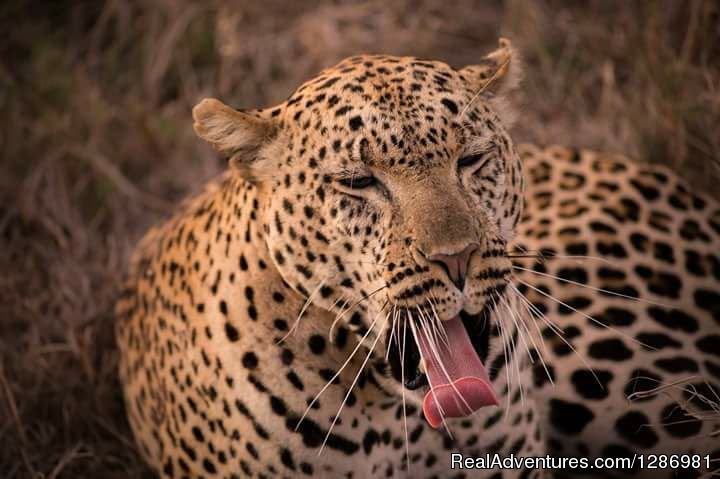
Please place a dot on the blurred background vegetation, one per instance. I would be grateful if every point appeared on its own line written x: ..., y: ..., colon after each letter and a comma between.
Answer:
x: 96, y: 144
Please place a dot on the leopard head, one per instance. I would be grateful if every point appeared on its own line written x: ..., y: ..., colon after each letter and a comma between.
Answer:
x: 389, y: 185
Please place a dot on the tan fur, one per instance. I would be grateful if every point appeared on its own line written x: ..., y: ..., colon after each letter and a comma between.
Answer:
x: 284, y: 279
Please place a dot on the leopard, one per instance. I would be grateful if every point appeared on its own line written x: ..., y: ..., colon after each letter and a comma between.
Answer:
x: 384, y: 284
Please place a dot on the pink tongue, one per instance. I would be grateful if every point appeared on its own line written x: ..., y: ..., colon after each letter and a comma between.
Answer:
x: 459, y: 383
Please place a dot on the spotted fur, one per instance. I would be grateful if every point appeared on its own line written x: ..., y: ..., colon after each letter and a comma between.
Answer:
x: 240, y: 309
x: 659, y: 242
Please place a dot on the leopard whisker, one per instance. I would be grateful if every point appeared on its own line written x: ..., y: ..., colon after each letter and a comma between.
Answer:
x: 374, y: 263
x: 437, y: 317
x: 516, y: 360
x: 347, y: 395
x: 560, y: 334
x: 520, y: 339
x: 293, y: 328
x: 516, y: 321
x: 660, y: 388
x: 345, y: 300
x: 713, y: 473
x: 337, y: 374
x: 356, y: 304
x: 543, y: 348
x: 587, y: 316
x: 689, y: 389
x: 402, y: 388
x: 432, y: 389
x: 543, y: 256
x: 342, y: 298
x: 393, y: 328
x: 432, y: 326
x: 594, y: 288
x: 522, y: 323
x: 713, y: 404
x: 513, y: 353
x: 433, y: 351
x: 433, y: 347
x: 508, y: 377
x: 715, y: 392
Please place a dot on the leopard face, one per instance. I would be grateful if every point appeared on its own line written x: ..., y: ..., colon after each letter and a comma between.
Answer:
x: 356, y: 166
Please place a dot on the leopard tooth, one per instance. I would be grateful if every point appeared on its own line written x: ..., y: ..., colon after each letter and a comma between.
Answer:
x: 421, y: 367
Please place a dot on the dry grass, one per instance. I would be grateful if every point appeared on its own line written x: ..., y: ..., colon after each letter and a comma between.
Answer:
x: 96, y: 145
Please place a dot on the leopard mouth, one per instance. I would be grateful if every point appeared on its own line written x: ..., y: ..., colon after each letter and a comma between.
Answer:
x: 410, y: 372
x: 446, y: 360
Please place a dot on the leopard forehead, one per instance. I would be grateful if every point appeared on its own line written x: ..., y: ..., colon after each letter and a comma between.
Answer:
x: 391, y: 112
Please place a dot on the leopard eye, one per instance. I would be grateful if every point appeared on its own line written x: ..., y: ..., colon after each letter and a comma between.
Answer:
x: 471, y: 160
x: 358, y: 182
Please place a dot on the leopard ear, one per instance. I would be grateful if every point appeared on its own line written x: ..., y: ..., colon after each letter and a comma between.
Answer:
x: 495, y: 77
x: 498, y: 72
x: 239, y: 135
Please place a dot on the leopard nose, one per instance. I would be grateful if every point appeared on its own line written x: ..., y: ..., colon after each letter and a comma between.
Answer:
x: 455, y: 264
